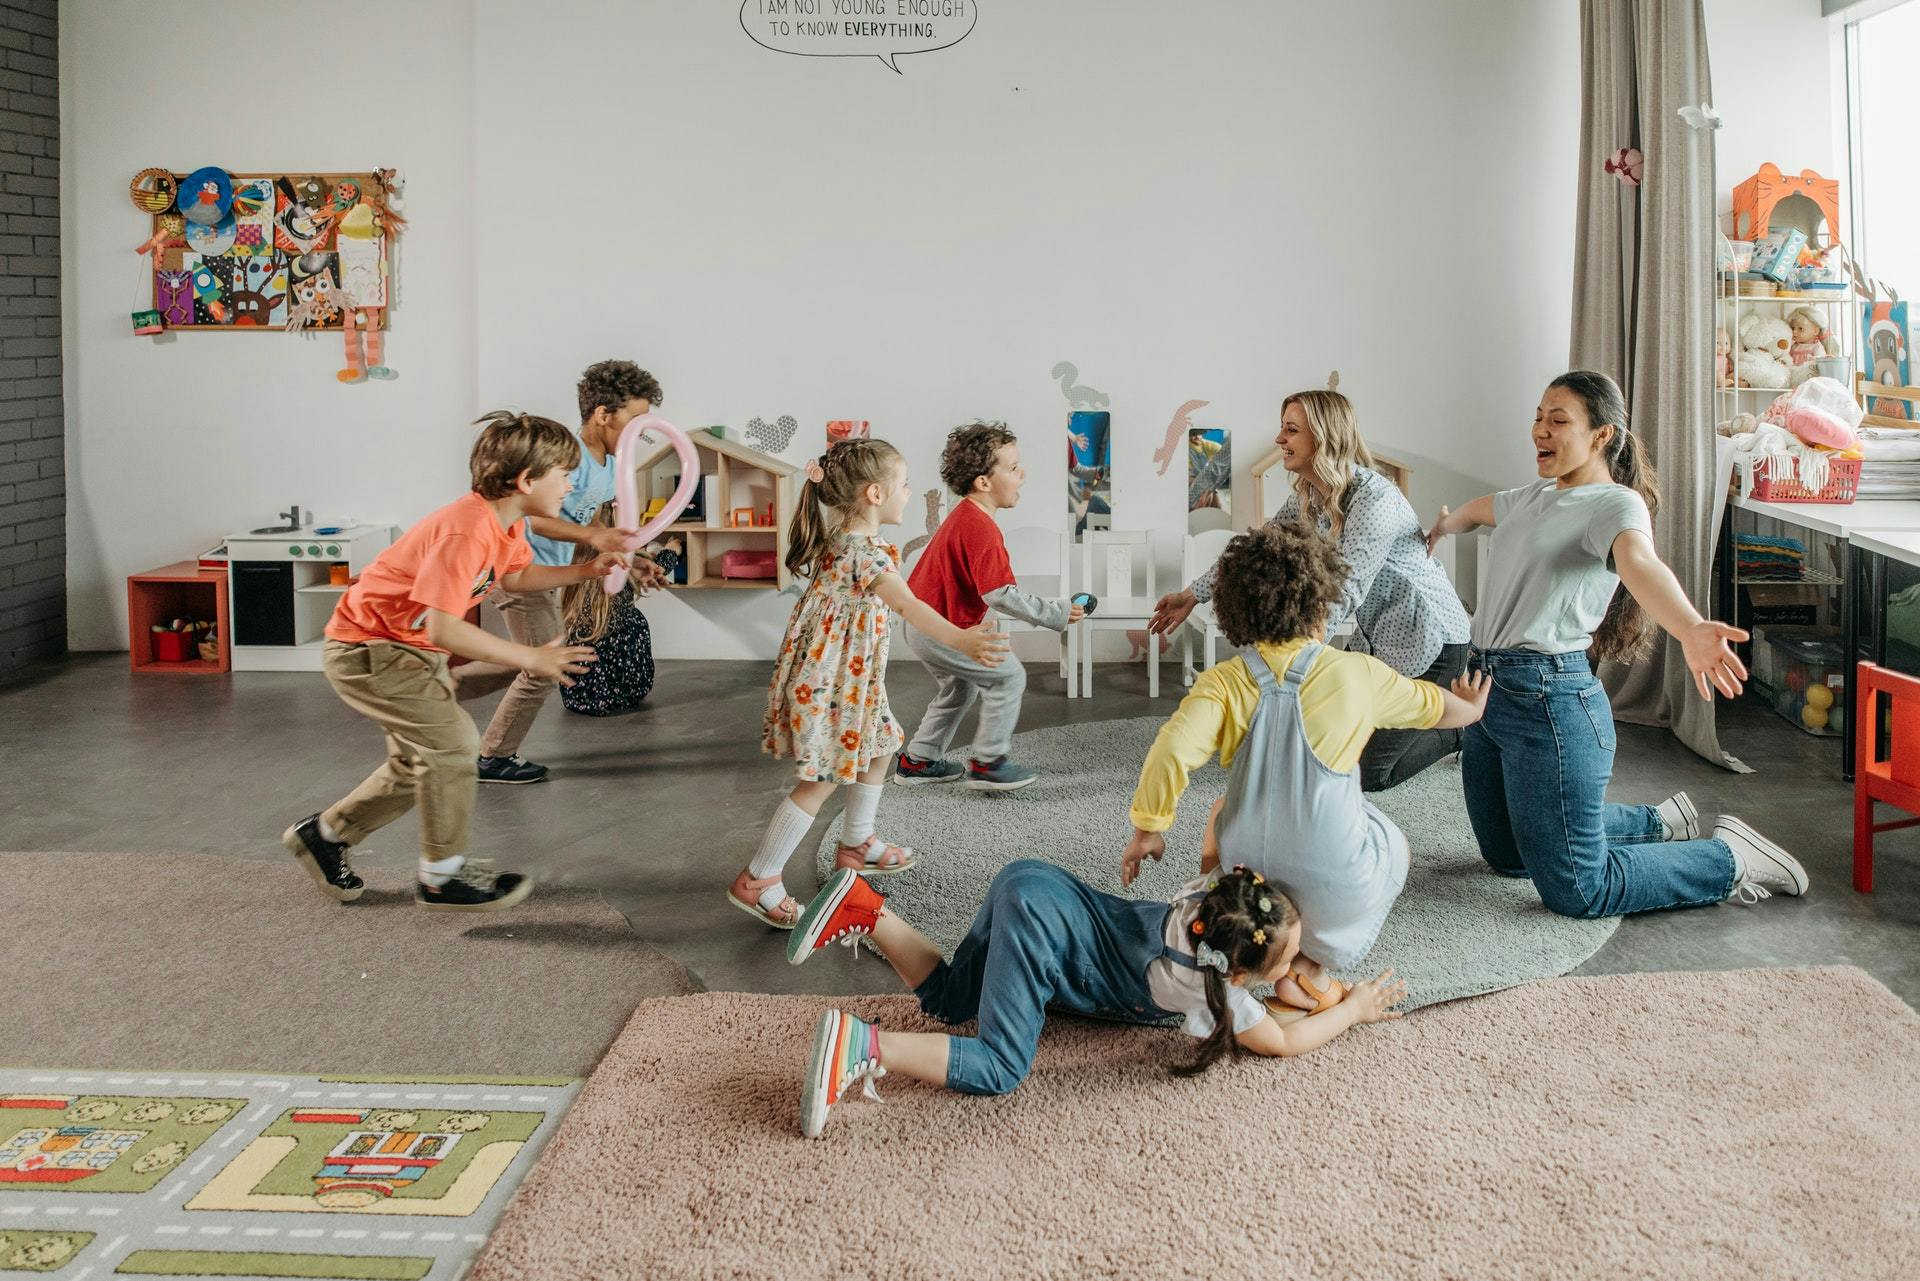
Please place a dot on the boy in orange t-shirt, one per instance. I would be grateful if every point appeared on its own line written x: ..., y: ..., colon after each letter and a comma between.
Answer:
x: 386, y: 656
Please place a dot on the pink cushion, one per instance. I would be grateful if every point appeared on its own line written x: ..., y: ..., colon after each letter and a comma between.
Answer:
x: 741, y: 563
x: 1818, y: 427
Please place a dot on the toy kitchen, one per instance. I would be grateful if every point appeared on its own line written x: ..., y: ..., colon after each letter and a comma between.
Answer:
x: 283, y: 582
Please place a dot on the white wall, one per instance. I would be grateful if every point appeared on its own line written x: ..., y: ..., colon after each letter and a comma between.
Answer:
x: 1219, y: 202
x: 1222, y: 204
x: 1778, y: 84
x: 176, y: 441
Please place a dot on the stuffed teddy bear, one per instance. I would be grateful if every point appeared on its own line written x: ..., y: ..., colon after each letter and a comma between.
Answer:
x: 1764, y: 344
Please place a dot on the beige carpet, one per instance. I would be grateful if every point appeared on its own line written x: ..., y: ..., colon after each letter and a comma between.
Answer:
x: 141, y: 962
x: 1748, y: 1124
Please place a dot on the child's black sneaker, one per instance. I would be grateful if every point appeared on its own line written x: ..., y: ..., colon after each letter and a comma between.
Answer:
x: 510, y: 769
x: 910, y: 771
x: 325, y: 860
x: 476, y: 887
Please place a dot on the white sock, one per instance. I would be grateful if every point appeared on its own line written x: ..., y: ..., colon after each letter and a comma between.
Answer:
x: 440, y: 871
x: 863, y: 803
x: 327, y: 833
x: 784, y: 834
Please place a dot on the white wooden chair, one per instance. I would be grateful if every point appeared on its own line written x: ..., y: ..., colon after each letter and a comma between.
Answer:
x: 1197, y: 556
x: 1110, y: 564
x: 1042, y: 562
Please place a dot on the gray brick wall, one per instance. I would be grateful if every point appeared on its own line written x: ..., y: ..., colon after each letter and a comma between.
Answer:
x: 33, y: 464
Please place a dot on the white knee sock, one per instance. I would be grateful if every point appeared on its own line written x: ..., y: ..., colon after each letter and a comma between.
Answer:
x: 440, y: 871
x: 327, y: 833
x: 863, y: 803
x: 784, y: 833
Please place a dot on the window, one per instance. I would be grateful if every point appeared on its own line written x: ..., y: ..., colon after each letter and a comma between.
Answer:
x: 1883, y: 116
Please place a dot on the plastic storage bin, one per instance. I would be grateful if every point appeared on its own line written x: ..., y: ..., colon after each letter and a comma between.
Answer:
x: 1800, y: 672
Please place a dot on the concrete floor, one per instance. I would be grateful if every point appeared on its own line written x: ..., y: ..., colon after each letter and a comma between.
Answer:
x: 660, y: 808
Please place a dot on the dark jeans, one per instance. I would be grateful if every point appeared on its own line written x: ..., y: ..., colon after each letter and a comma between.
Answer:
x: 1395, y: 755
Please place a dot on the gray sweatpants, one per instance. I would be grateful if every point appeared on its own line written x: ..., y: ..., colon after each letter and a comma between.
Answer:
x: 959, y: 680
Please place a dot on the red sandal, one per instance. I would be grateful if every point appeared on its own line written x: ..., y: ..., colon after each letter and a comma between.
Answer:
x: 874, y: 857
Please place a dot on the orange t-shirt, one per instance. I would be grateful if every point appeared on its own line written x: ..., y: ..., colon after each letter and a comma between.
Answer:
x: 448, y: 562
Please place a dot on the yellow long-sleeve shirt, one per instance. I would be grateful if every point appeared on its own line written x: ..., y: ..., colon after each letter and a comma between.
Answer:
x: 1344, y: 698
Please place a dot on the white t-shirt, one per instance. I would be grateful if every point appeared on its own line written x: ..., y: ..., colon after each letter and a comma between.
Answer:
x: 1179, y: 990
x: 1552, y: 575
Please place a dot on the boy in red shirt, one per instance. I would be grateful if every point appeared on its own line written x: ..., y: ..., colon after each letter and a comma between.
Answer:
x: 386, y: 656
x: 963, y: 572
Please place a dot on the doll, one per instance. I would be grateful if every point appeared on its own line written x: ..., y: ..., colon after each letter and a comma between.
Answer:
x: 1810, y: 339
x: 1722, y: 359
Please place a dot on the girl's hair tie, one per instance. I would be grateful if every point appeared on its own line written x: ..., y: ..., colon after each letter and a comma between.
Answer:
x: 1209, y: 958
x: 814, y: 471
x: 1199, y: 926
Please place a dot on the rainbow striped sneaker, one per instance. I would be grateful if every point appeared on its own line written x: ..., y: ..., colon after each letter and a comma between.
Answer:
x: 845, y: 908
x: 845, y: 1050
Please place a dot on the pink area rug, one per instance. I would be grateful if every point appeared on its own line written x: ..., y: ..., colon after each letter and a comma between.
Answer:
x: 1748, y: 1124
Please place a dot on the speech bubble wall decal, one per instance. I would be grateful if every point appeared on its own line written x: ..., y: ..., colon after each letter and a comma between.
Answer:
x: 883, y: 29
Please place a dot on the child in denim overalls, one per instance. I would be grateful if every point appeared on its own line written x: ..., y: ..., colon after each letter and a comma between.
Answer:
x: 1046, y: 938
x: 1291, y: 718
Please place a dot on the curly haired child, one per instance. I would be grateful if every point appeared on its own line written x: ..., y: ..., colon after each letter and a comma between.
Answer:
x: 827, y: 703
x: 1046, y: 939
x: 964, y: 574
x: 1290, y: 718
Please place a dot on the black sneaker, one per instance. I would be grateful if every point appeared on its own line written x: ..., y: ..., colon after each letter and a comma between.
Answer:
x: 325, y: 860
x: 510, y: 769
x: 476, y: 887
x: 910, y: 771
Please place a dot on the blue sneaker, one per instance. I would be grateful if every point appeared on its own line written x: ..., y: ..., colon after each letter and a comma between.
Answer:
x: 510, y: 769
x: 910, y: 771
x: 998, y: 776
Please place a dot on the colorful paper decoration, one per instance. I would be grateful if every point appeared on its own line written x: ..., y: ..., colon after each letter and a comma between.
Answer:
x: 775, y: 438
x: 1077, y: 396
x: 153, y: 191
x: 839, y: 429
x: 210, y: 239
x: 1210, y: 469
x: 1754, y: 201
x: 206, y: 196
x: 1176, y: 432
x: 1884, y: 322
x: 173, y: 291
x: 1089, y: 469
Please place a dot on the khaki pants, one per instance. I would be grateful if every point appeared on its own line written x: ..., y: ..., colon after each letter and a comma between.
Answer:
x: 431, y: 744
x: 533, y: 619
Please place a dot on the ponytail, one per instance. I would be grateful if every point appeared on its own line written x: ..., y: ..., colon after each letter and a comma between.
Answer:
x: 1247, y: 921
x: 1625, y: 633
x: 834, y: 481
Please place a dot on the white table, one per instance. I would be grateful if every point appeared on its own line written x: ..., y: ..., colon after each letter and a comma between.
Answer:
x: 1902, y: 544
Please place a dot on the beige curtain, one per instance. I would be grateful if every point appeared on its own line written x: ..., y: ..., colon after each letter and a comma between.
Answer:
x: 1643, y: 304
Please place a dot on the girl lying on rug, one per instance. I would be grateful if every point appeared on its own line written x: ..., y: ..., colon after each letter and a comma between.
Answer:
x: 1290, y: 718
x: 1046, y: 937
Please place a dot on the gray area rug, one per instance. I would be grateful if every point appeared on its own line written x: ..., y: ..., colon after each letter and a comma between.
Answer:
x: 148, y: 961
x: 1458, y: 930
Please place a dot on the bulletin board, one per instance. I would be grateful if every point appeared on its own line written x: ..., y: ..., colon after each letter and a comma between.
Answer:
x: 308, y: 248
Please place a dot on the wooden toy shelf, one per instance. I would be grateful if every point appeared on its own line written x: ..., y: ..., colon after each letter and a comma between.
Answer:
x: 745, y: 478
x: 179, y: 590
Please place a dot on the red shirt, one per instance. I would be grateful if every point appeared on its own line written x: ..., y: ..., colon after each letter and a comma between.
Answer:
x: 448, y: 562
x: 966, y: 559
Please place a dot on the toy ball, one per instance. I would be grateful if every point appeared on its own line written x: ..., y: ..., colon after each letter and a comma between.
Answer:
x: 1786, y: 702
x: 207, y: 195
x: 1837, y: 720
x: 1819, y: 696
x: 1796, y: 679
x: 1813, y: 717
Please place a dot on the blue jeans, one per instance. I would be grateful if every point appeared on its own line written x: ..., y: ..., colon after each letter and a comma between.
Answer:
x: 1043, y: 937
x: 1536, y: 768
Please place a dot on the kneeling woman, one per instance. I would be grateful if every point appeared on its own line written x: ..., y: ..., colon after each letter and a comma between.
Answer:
x: 1045, y: 937
x: 1535, y: 770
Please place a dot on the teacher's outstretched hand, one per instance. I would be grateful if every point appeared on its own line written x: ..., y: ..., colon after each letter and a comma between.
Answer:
x: 1710, y: 657
x: 1170, y: 611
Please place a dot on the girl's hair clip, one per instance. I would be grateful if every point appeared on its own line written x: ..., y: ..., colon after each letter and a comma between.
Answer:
x: 814, y: 472
x: 1199, y: 926
x: 1209, y: 958
x: 1260, y: 938
x: 1266, y: 904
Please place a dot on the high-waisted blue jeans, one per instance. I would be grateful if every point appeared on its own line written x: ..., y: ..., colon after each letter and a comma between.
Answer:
x: 1536, y: 769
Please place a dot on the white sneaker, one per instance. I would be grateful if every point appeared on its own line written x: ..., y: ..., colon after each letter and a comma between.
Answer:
x: 1761, y: 869
x: 1680, y: 816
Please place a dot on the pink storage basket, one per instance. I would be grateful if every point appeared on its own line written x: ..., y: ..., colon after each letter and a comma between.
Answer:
x: 741, y: 563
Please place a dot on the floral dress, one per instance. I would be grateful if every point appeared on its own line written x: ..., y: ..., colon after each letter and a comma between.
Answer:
x: 827, y: 705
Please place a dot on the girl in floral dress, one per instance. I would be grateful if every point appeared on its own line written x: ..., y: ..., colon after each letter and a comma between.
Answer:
x: 827, y: 704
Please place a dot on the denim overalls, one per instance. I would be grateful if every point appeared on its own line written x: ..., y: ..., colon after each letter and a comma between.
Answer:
x: 1304, y: 826
x: 1044, y: 936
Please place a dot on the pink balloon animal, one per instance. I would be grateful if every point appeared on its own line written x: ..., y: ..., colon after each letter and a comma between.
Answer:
x: 626, y: 495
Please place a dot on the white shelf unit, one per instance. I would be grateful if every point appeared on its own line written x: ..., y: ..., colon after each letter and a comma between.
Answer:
x: 1837, y: 307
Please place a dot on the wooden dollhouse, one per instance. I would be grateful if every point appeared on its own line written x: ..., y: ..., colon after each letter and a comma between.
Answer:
x: 745, y: 503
